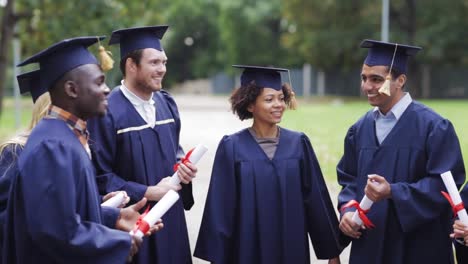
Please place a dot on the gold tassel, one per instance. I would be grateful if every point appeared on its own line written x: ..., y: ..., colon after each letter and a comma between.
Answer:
x: 107, y: 63
x: 293, y: 101
x: 385, y: 88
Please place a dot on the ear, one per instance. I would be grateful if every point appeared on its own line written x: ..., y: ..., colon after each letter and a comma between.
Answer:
x: 130, y: 65
x: 250, y: 108
x: 71, y: 89
x: 401, y: 80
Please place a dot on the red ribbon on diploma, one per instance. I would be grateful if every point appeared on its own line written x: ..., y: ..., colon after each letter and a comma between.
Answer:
x: 455, y: 207
x: 141, y: 224
x: 184, y: 159
x: 362, y: 213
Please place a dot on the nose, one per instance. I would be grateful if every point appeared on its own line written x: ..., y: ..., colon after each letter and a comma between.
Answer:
x: 277, y: 103
x: 105, y: 89
x: 162, y: 68
x: 366, y: 85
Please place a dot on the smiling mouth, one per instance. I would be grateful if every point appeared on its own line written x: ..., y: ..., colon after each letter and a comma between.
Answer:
x: 276, y: 114
x: 371, y: 95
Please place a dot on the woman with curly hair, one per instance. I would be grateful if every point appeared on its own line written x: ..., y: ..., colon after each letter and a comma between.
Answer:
x: 267, y: 193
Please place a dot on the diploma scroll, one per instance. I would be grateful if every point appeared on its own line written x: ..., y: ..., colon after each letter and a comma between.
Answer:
x: 193, y: 156
x: 455, y: 196
x: 365, y: 205
x: 115, y: 201
x: 158, y: 210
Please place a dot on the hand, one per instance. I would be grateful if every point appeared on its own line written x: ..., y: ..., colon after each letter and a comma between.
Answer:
x: 156, y: 192
x: 129, y: 216
x: 335, y: 260
x: 349, y: 227
x: 460, y: 231
x: 186, y: 172
x: 156, y: 227
x: 136, y: 243
x: 377, y: 188
x: 112, y: 194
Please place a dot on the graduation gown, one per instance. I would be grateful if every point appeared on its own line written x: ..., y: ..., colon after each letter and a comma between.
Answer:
x: 53, y: 212
x: 262, y: 211
x: 8, y: 168
x: 414, y: 225
x: 462, y: 250
x: 129, y: 155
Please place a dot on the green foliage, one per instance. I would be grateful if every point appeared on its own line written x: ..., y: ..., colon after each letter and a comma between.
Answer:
x: 207, y: 36
x: 327, y: 33
x: 251, y: 33
x: 192, y: 43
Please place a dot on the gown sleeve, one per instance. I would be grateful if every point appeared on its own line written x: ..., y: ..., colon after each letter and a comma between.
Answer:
x: 421, y: 201
x: 322, y: 221
x: 347, y: 171
x: 110, y: 216
x: 215, y: 239
x: 52, y: 218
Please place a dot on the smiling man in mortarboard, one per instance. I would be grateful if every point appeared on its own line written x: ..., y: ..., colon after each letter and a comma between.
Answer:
x: 394, y: 155
x: 136, y: 145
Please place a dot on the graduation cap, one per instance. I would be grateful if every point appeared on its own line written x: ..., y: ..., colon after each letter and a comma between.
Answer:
x: 61, y: 58
x: 131, y: 39
x: 263, y: 76
x: 393, y: 55
x: 30, y: 82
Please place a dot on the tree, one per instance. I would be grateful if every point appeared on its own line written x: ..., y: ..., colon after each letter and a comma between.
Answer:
x: 251, y: 33
x: 192, y: 43
x: 327, y: 34
x: 7, y: 30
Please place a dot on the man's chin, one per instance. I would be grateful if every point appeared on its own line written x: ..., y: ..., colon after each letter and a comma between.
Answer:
x: 102, y: 112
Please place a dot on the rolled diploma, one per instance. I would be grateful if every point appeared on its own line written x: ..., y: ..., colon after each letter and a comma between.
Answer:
x: 158, y: 210
x: 196, y: 155
x: 453, y: 192
x: 114, y: 201
x: 365, y: 204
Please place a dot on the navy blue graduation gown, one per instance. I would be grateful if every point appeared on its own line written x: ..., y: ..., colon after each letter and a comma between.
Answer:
x: 8, y: 168
x: 414, y: 225
x: 130, y: 156
x: 53, y: 212
x: 262, y: 211
x: 462, y: 250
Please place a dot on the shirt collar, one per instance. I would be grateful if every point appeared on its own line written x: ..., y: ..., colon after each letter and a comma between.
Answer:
x: 397, y: 110
x: 133, y: 98
x: 72, y: 120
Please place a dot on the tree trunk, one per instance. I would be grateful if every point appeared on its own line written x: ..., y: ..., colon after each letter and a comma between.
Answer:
x: 7, y: 31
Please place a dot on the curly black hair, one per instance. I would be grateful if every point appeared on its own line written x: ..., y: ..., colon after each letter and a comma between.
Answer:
x: 242, y: 97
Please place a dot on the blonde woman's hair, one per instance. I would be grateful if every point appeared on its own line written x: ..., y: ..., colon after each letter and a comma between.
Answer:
x: 39, y: 110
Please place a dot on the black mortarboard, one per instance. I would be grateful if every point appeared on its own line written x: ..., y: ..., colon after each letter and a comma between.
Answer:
x: 30, y: 82
x: 382, y: 53
x: 263, y: 76
x: 131, y: 39
x: 61, y: 58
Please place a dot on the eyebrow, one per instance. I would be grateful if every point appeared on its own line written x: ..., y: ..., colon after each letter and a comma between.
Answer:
x: 372, y: 76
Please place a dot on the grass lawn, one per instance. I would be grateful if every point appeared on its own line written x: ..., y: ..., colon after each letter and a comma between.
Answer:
x: 326, y: 122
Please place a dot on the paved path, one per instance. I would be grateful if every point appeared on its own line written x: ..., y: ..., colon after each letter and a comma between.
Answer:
x: 206, y: 119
